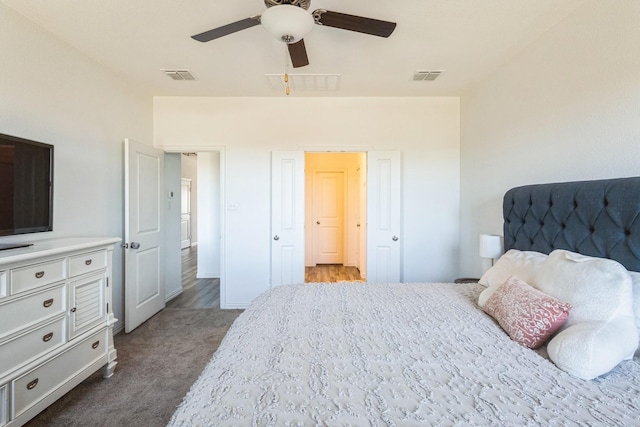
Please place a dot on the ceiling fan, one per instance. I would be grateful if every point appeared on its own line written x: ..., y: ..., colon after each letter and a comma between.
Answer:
x: 289, y: 21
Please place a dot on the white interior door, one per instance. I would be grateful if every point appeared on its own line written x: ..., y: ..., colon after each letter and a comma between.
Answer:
x: 287, y: 217
x: 185, y: 213
x: 329, y: 217
x: 144, y: 227
x: 383, y: 216
x: 362, y: 222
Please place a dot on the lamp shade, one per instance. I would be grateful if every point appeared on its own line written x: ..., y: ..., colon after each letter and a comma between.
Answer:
x: 491, y: 246
x: 287, y: 23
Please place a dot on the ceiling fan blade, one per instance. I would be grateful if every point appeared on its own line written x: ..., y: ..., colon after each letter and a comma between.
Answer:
x: 360, y: 24
x: 234, y: 27
x: 298, y: 54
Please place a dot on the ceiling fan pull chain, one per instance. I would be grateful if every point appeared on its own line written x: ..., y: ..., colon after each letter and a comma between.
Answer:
x: 286, y: 81
x: 286, y: 74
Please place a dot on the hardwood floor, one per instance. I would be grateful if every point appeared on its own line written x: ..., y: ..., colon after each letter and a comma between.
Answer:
x: 205, y: 293
x: 332, y: 273
x: 189, y: 267
x: 197, y: 293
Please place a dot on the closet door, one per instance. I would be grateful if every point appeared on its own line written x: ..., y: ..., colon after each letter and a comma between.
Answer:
x: 383, y: 216
x: 287, y: 217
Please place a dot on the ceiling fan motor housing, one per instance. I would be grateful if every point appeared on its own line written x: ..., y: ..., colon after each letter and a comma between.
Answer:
x: 287, y: 23
x: 300, y: 3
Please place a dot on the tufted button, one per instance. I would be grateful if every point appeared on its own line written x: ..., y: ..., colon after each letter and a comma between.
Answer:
x: 627, y: 232
x: 591, y: 229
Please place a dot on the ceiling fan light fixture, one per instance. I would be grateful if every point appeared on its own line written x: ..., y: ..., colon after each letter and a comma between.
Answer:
x: 287, y: 23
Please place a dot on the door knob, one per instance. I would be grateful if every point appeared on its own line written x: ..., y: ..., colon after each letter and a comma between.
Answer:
x: 394, y: 238
x: 276, y: 237
x: 135, y: 245
x: 318, y: 222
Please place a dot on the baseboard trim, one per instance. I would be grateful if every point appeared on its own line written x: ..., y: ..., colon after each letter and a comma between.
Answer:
x: 235, y: 306
x: 172, y: 295
x: 207, y: 275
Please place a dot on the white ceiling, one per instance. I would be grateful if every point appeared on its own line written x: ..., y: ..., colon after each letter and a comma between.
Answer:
x: 469, y: 39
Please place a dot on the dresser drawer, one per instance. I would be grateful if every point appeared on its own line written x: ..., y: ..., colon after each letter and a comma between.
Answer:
x: 20, y: 313
x: 88, y: 262
x: 28, y: 346
x: 33, y: 276
x: 36, y: 384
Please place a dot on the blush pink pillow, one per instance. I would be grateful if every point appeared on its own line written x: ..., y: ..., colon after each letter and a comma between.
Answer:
x: 529, y: 316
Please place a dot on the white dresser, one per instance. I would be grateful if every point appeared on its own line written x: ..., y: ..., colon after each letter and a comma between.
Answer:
x: 56, y: 322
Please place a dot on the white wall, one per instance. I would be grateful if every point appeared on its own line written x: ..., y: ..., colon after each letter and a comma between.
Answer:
x: 172, y: 229
x: 425, y: 130
x: 567, y: 108
x: 51, y: 93
x: 209, y: 220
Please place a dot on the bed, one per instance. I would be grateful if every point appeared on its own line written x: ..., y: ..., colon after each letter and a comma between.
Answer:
x: 364, y: 354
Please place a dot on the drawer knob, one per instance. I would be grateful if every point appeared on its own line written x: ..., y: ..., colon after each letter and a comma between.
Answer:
x: 88, y: 262
x: 32, y: 384
x: 39, y: 274
x: 47, y: 303
x: 95, y: 344
x: 47, y: 337
x: 73, y: 310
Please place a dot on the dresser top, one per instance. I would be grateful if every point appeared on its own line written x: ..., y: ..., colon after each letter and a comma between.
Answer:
x: 52, y: 247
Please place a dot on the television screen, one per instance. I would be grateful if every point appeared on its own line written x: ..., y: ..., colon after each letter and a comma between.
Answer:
x: 26, y: 186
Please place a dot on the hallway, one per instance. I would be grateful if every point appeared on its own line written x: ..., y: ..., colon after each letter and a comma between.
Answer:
x: 331, y: 273
x: 197, y: 293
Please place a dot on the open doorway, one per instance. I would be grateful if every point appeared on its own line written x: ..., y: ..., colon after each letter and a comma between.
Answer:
x: 189, y: 218
x: 185, y: 213
x: 335, y: 217
x: 200, y: 230
x: 381, y: 176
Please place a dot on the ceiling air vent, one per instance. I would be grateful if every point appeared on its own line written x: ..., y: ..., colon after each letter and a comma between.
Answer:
x: 180, y: 74
x: 428, y: 76
x: 304, y: 82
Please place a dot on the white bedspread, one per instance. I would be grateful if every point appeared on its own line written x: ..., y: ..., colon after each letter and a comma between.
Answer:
x: 392, y: 355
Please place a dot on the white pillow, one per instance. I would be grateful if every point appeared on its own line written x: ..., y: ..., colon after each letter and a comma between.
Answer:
x: 635, y: 284
x: 522, y: 264
x: 598, y: 288
x: 600, y: 331
x: 590, y: 349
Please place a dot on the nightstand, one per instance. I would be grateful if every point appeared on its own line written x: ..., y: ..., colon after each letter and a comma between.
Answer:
x: 466, y: 280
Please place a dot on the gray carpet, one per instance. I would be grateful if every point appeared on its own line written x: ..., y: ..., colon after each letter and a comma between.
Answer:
x: 157, y: 363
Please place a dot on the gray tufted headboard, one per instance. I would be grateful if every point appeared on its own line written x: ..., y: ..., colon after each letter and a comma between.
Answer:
x: 596, y: 218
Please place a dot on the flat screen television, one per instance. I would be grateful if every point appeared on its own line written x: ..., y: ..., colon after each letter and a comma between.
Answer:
x: 26, y: 186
